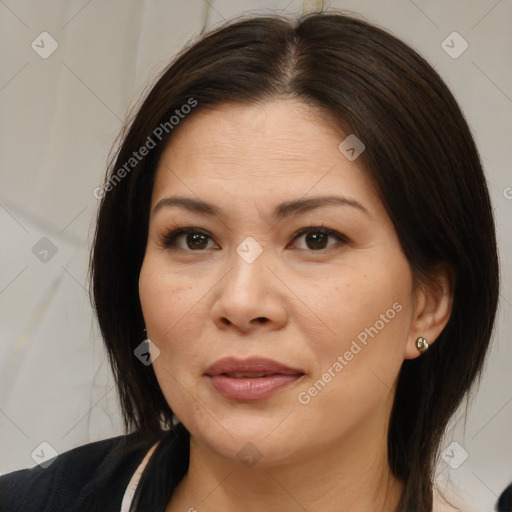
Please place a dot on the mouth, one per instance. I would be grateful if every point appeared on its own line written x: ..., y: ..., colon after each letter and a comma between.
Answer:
x: 249, y: 375
x: 251, y: 379
x: 251, y: 367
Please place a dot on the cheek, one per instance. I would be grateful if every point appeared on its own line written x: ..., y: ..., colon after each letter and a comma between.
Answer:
x: 357, y: 368
x: 366, y: 318
x: 174, y: 315
x: 165, y: 297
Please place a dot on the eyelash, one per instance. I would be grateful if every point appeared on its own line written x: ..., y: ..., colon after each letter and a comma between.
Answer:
x: 168, y: 241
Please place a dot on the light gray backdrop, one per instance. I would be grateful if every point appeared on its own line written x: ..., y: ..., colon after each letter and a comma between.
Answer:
x: 70, y: 71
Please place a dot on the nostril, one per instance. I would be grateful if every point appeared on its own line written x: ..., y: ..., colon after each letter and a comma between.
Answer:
x: 261, y: 320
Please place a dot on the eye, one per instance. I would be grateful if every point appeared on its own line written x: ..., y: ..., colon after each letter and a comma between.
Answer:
x: 317, y: 237
x: 195, y: 239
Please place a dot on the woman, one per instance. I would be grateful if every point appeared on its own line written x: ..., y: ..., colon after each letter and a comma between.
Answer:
x: 295, y: 275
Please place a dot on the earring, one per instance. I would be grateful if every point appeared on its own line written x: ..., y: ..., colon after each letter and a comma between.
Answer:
x: 422, y: 345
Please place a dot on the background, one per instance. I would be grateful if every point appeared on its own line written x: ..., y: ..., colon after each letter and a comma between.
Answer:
x: 70, y: 72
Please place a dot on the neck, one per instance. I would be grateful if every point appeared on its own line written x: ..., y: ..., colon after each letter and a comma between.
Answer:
x: 354, y: 475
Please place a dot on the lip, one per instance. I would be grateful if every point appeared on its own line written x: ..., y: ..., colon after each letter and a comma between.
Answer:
x: 278, y: 376
x: 250, y: 365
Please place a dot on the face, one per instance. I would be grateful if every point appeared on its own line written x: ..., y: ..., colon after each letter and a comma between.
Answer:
x: 322, y: 288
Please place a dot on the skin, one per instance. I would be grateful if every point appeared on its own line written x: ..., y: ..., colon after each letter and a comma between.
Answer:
x: 202, y: 301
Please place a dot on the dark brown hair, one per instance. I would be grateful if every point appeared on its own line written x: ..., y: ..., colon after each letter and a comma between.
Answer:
x: 419, y: 154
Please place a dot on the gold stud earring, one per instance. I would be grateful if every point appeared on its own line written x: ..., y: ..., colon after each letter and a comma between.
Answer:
x: 421, y: 345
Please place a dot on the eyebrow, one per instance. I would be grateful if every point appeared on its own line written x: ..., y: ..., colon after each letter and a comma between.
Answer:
x: 281, y: 211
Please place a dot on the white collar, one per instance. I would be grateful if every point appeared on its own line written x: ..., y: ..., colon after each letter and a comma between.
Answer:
x: 134, y: 481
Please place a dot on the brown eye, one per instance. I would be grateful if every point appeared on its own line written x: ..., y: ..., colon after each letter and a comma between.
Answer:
x: 194, y: 240
x: 316, y: 239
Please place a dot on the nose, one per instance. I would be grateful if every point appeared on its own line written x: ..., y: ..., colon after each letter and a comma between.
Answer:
x: 250, y: 296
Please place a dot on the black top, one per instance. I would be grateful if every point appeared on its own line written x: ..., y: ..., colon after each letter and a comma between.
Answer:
x: 94, y: 477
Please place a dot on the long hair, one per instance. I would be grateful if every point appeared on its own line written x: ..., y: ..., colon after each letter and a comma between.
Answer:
x: 419, y: 153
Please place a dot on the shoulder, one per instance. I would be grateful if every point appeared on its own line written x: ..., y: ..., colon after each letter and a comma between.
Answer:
x: 90, y: 477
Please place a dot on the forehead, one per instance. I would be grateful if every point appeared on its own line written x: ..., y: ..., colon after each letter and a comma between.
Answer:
x: 266, y: 151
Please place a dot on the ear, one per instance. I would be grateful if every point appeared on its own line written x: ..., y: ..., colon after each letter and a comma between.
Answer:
x: 433, y: 302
